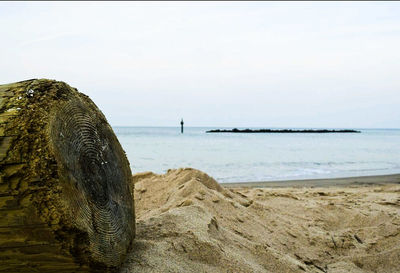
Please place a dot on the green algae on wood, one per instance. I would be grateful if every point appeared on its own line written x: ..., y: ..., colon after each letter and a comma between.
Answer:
x: 66, y: 201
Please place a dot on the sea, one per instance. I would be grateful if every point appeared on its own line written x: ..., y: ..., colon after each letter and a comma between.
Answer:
x: 240, y: 157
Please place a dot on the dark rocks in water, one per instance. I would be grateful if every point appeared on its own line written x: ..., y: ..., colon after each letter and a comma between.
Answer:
x: 320, y: 131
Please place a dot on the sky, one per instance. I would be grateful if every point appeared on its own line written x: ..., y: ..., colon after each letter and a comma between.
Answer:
x: 223, y: 64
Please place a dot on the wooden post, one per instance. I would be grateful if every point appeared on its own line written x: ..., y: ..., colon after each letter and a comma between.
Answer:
x: 182, y: 126
x: 66, y: 202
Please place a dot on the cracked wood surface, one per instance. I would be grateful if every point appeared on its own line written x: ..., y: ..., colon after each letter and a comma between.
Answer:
x: 66, y: 202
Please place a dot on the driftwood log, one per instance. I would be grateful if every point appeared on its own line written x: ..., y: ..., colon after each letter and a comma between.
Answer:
x: 66, y: 197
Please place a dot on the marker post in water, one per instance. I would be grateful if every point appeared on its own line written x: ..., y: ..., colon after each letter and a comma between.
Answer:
x: 181, y: 126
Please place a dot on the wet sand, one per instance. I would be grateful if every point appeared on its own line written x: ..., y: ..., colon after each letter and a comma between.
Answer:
x: 328, y: 182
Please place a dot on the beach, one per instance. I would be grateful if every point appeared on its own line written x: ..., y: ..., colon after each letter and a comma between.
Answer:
x: 191, y: 137
x: 188, y: 222
x: 327, y: 182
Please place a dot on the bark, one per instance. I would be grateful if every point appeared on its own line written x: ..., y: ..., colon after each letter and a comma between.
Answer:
x: 66, y: 197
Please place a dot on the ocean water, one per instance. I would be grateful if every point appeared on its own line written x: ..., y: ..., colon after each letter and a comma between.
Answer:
x: 262, y: 157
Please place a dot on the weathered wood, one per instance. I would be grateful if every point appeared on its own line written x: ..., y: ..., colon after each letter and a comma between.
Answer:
x: 66, y: 201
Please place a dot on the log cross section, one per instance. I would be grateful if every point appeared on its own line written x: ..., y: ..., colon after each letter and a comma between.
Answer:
x: 66, y: 195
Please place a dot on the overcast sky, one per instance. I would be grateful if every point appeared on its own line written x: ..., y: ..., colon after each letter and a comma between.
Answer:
x: 261, y: 64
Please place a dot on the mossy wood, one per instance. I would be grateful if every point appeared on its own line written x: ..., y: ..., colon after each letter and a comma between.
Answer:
x: 66, y: 197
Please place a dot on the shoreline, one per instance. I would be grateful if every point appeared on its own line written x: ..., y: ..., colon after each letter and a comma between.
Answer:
x: 324, y: 182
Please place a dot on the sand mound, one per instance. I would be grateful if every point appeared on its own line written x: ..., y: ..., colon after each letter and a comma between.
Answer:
x: 187, y: 222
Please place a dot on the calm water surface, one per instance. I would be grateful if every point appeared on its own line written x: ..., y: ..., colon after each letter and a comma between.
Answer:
x: 262, y: 157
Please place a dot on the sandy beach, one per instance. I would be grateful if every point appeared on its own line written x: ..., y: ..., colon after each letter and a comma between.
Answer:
x: 329, y: 182
x: 187, y: 222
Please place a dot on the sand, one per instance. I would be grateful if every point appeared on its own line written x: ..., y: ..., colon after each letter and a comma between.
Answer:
x: 187, y: 222
x: 346, y: 181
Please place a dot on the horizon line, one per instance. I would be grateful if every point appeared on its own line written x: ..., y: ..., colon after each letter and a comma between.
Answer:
x: 284, y: 127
